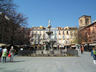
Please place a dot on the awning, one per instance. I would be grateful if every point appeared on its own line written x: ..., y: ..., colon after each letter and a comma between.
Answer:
x: 93, y: 44
x: 1, y: 44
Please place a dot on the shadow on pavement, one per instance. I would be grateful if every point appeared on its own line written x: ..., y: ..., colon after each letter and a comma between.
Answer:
x: 14, y: 61
x: 1, y: 68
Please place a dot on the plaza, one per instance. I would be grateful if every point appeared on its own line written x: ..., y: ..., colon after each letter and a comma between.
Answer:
x: 47, y: 36
x: 83, y: 63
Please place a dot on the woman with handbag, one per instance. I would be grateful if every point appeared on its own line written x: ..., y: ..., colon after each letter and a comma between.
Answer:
x: 11, y: 53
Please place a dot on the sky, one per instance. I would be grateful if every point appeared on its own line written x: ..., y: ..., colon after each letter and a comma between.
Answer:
x: 61, y: 13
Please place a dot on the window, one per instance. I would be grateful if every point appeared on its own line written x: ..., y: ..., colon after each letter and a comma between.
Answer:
x: 67, y: 33
x: 71, y: 34
x: 63, y: 37
x: 63, y: 32
x: 59, y: 32
x: 87, y: 21
x: 80, y: 21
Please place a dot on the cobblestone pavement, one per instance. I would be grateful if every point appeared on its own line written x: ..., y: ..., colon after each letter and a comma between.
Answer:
x: 84, y: 63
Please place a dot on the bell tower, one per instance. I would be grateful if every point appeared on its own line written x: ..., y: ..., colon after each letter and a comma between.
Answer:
x: 84, y: 21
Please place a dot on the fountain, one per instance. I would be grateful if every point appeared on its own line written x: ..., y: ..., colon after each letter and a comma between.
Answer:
x: 49, y: 33
x: 49, y: 42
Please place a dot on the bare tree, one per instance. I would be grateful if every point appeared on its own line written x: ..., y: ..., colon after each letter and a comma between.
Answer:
x: 12, y: 24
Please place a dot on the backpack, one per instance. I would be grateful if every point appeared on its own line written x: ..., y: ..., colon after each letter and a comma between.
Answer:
x: 94, y: 52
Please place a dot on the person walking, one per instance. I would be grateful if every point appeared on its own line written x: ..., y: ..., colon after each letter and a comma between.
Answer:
x: 93, y: 53
x: 0, y: 53
x: 12, y: 51
x: 82, y: 49
x: 4, y: 54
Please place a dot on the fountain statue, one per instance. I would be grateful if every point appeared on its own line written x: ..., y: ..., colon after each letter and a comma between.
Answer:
x: 49, y: 32
x: 49, y: 42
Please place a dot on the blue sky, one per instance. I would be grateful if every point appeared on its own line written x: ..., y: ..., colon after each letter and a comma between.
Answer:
x: 61, y: 12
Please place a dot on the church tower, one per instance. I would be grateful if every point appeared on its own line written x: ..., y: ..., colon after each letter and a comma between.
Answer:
x: 84, y: 21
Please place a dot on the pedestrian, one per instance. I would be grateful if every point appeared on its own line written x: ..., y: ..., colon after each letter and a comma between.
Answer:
x: 0, y: 53
x: 11, y: 52
x: 82, y: 49
x: 4, y: 54
x: 93, y: 53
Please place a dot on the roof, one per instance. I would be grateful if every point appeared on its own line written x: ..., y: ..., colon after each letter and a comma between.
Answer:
x: 88, y: 26
x: 84, y: 16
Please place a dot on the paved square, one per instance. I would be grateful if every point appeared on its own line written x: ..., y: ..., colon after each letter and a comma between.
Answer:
x: 84, y: 63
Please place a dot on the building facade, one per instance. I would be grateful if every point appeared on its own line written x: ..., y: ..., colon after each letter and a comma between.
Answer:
x: 87, y: 31
x: 63, y: 36
x: 88, y: 34
x: 67, y: 36
x: 38, y: 35
x: 84, y: 21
